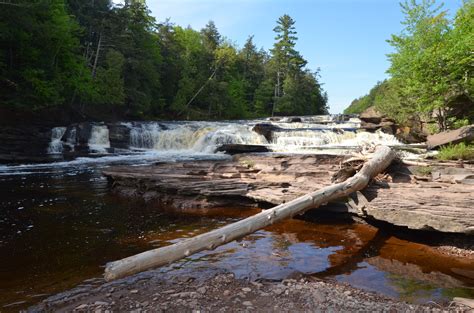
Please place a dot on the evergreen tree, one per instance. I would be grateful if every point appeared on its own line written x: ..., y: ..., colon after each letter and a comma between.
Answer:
x: 286, y: 57
x: 107, y: 61
x: 211, y: 36
x: 253, y: 70
x: 291, y: 93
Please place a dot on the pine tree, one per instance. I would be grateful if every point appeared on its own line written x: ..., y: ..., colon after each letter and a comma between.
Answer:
x: 287, y: 58
x: 288, y: 62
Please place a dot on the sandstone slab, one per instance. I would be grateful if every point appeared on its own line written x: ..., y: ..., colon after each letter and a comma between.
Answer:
x: 441, y: 201
x: 463, y: 134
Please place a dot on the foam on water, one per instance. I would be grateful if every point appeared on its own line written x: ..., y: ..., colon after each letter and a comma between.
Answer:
x: 192, y: 137
x: 311, y: 132
x: 308, y: 140
x: 144, y: 135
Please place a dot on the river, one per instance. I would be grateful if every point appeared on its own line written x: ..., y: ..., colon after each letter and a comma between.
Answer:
x: 59, y: 222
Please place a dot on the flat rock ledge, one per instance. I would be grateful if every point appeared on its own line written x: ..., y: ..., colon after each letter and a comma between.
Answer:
x: 436, y: 198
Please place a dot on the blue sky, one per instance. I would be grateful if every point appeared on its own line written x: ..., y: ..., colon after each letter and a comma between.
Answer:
x: 344, y: 38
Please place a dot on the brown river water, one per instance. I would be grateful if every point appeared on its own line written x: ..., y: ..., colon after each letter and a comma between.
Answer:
x: 60, y: 225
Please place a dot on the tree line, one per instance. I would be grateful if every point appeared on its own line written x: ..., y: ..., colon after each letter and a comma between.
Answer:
x: 431, y: 68
x: 97, y: 59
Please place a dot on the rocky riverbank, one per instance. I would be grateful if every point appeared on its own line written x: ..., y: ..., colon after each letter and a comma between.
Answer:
x: 433, y: 197
x: 222, y: 292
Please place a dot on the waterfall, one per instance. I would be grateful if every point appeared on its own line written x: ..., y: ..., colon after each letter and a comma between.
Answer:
x: 144, y: 136
x: 71, y: 138
x: 230, y: 134
x: 99, y: 139
x: 202, y: 137
x: 306, y: 140
x: 56, y: 145
x: 307, y: 134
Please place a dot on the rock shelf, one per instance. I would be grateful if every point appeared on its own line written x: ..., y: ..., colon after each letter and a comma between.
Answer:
x: 435, y: 198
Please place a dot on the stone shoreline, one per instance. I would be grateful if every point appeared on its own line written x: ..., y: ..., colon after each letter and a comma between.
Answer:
x: 222, y: 292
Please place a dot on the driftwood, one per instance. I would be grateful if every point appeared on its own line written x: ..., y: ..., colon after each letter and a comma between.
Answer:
x: 464, y: 301
x: 161, y: 256
x: 428, y: 163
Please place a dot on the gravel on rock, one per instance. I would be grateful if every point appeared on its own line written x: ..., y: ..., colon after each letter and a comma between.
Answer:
x: 222, y: 292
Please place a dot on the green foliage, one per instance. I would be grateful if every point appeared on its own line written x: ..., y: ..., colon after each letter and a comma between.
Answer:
x: 423, y: 170
x: 110, y: 81
x: 361, y: 104
x: 460, y: 151
x: 431, y: 68
x: 102, y: 60
x: 264, y: 97
x: 418, y: 65
x: 458, y: 123
x: 286, y: 57
x: 40, y: 55
x: 297, y: 91
x: 385, y: 97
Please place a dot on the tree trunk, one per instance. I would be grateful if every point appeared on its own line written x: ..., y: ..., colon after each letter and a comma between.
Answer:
x: 201, y: 89
x: 382, y: 158
x: 94, y: 68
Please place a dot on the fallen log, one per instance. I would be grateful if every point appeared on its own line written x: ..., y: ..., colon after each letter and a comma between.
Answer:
x: 382, y: 158
x: 465, y: 301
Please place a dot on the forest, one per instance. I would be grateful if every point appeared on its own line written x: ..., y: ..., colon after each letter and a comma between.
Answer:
x: 99, y: 60
x: 431, y: 68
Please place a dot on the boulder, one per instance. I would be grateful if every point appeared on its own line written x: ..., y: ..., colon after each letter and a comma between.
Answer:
x: 371, y: 115
x: 83, y: 133
x: 266, y: 130
x: 409, y: 135
x: 70, y: 135
x: 463, y: 134
x: 370, y: 127
x: 372, y: 120
x: 388, y: 127
x: 294, y: 119
x: 119, y: 136
x: 239, y: 148
x: 274, y: 118
x: 23, y: 142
